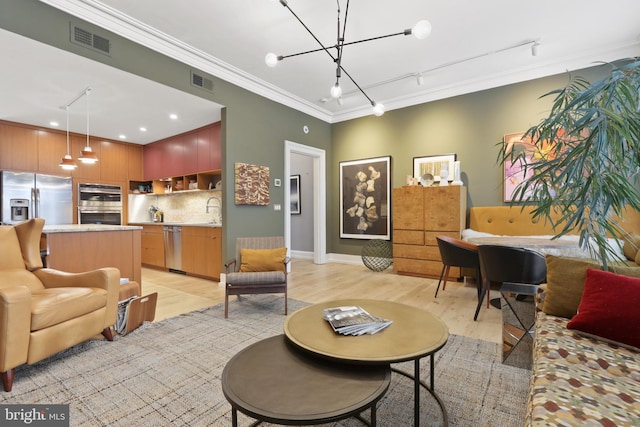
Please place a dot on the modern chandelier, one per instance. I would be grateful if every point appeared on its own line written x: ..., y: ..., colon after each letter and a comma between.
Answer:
x: 420, y: 31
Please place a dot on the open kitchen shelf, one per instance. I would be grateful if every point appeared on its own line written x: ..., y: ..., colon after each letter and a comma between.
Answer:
x: 191, y: 182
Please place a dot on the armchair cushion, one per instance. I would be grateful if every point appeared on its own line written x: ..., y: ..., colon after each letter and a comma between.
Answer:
x: 259, y: 260
x: 19, y: 276
x: 29, y: 233
x: 56, y: 305
x: 10, y: 249
x: 256, y: 278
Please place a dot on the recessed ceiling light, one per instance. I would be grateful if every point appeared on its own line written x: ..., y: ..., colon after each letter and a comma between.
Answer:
x: 173, y: 116
x: 123, y: 136
x: 55, y: 124
x: 143, y: 129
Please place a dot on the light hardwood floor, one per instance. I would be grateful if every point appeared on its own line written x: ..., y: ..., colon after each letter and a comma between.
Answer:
x: 312, y: 283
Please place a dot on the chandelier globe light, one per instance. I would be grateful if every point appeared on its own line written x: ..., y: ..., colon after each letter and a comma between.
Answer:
x: 378, y: 109
x: 421, y: 30
x: 336, y: 91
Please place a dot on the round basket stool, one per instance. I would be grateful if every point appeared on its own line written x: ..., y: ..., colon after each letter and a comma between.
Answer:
x: 377, y: 254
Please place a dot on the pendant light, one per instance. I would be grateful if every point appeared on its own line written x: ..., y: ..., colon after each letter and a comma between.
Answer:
x: 88, y: 156
x: 67, y: 162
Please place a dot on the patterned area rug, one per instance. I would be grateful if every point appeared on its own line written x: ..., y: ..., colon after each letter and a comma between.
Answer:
x: 168, y: 374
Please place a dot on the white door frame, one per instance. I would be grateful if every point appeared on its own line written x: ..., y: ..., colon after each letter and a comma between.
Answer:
x: 319, y: 197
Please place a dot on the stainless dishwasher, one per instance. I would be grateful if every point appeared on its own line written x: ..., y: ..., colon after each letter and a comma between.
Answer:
x: 173, y: 247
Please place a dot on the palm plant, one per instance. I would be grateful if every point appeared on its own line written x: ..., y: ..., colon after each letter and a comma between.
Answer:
x: 586, y: 159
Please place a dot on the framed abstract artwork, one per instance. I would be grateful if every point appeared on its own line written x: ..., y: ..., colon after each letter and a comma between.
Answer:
x: 365, y: 187
x: 252, y: 184
x: 514, y: 171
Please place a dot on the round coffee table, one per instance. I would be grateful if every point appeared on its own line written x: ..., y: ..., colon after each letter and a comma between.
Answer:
x: 414, y: 334
x: 273, y: 382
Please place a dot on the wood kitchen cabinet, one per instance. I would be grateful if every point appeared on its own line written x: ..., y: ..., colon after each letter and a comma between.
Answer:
x: 419, y: 215
x: 52, y: 146
x: 113, y: 161
x: 184, y: 154
x: 202, y: 251
x: 19, y: 148
x: 134, y: 162
x: 153, y: 245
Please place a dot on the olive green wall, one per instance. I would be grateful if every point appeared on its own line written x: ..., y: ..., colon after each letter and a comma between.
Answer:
x: 471, y: 126
x: 253, y: 128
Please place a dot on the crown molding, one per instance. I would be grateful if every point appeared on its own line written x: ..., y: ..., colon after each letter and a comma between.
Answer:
x: 577, y: 62
x: 111, y: 19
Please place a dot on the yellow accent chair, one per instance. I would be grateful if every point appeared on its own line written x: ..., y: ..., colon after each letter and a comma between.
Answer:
x: 44, y: 311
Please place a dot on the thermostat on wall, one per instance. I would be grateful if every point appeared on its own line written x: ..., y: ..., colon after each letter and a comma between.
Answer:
x: 276, y: 182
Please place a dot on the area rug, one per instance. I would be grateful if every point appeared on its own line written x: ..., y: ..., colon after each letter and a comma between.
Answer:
x: 168, y: 374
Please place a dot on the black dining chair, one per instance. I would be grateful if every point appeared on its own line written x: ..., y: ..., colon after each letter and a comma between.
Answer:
x: 510, y: 265
x: 458, y: 253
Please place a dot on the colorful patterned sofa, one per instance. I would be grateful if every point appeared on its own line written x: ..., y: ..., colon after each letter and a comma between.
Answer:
x: 577, y: 378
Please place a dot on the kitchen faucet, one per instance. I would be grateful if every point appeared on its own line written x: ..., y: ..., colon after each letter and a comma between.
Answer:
x: 217, y: 206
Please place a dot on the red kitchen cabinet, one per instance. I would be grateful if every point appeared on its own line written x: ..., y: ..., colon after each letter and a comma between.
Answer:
x: 188, y: 153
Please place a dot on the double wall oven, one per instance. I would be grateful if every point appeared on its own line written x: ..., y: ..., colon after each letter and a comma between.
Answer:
x: 99, y: 204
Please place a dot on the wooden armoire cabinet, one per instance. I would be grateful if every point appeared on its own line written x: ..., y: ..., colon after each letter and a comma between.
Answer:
x: 419, y: 215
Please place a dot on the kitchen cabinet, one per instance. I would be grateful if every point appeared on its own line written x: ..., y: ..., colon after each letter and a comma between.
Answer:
x: 40, y: 150
x: 74, y: 248
x: 19, y: 148
x: 202, y: 251
x: 52, y: 146
x: 134, y: 162
x: 184, y: 154
x: 152, y: 242
x: 113, y: 161
x: 419, y: 215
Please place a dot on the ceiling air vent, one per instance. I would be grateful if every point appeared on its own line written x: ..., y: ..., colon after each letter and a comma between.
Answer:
x: 200, y: 81
x: 88, y: 39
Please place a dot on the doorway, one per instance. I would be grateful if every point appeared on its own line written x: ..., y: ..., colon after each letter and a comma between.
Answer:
x: 318, y: 157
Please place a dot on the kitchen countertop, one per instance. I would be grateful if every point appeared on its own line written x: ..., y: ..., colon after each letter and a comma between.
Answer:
x: 181, y: 224
x: 75, y: 228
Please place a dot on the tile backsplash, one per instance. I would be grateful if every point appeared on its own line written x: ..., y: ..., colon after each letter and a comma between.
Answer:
x: 188, y: 207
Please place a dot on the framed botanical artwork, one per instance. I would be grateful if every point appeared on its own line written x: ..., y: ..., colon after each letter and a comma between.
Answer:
x: 365, y: 188
x: 294, y: 188
x: 515, y: 172
x: 433, y: 165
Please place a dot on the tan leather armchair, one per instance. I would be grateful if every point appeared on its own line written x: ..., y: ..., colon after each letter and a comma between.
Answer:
x: 44, y: 311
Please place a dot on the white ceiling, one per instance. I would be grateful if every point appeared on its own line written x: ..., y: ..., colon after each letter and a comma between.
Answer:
x: 471, y: 48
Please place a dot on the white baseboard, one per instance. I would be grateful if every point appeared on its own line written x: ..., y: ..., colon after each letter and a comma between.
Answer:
x: 337, y: 258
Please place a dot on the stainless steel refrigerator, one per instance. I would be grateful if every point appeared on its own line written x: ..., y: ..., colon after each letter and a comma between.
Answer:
x: 29, y: 195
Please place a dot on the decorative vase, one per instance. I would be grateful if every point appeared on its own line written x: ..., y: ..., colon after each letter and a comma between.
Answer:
x: 456, y: 173
x: 444, y: 175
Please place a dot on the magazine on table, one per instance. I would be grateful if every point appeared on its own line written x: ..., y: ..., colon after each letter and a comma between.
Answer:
x: 354, y: 320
